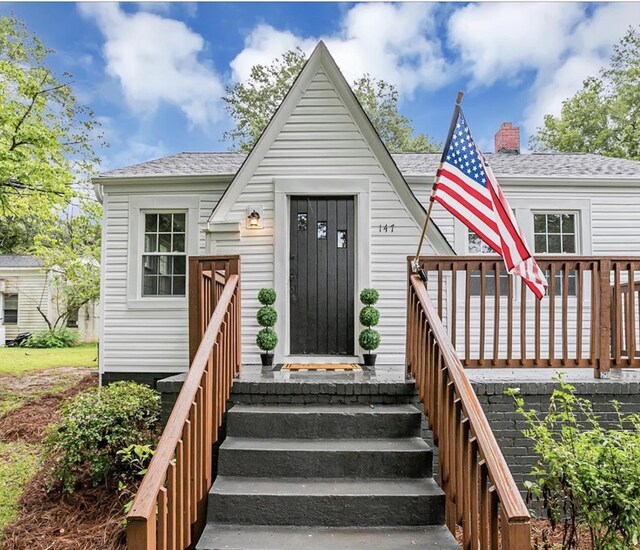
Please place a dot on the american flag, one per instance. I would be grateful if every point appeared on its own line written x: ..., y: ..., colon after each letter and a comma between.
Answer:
x: 466, y: 187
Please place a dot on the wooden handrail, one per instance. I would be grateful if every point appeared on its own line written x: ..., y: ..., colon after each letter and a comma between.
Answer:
x: 587, y: 319
x: 480, y: 491
x: 168, y: 511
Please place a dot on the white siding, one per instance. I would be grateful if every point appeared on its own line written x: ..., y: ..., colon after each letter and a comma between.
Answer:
x: 135, y: 339
x: 31, y: 287
x: 321, y: 139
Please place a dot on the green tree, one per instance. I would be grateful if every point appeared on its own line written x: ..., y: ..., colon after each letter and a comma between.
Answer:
x: 70, y: 250
x: 604, y: 116
x: 252, y: 104
x: 46, y: 137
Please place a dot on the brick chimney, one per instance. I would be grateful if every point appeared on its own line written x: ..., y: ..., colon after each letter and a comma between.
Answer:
x: 507, y: 140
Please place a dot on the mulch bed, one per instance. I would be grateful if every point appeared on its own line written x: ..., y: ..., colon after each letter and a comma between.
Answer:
x: 89, y: 519
x: 28, y: 422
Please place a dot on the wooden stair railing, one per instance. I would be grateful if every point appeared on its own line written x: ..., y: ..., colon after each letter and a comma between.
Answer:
x: 481, y: 495
x: 169, y: 510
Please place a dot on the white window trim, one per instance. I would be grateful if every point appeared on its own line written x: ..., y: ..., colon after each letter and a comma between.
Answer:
x: 524, y: 210
x: 284, y: 187
x: 138, y: 206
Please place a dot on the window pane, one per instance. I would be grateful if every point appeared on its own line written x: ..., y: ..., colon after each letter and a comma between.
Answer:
x: 178, y: 243
x: 151, y: 243
x: 554, y: 246
x: 569, y: 244
x: 179, y: 286
x: 178, y: 223
x: 11, y: 301
x: 164, y: 242
x: 541, y: 243
x: 150, y: 285
x: 151, y: 223
x: 164, y: 264
x: 164, y: 285
x: 179, y: 265
x: 164, y: 222
x: 302, y: 221
x: 477, y: 246
x: 539, y: 223
x: 150, y: 265
x: 568, y: 223
x: 322, y: 230
x: 342, y: 239
x: 553, y: 223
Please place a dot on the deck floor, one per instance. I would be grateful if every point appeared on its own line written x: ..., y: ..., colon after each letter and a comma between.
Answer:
x: 390, y: 373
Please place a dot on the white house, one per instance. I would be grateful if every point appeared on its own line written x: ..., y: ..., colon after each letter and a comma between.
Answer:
x: 25, y: 288
x: 337, y: 213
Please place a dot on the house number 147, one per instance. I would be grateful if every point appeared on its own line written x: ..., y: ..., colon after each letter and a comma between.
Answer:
x: 386, y: 228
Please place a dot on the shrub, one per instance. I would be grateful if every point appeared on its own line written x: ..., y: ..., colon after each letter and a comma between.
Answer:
x: 369, y: 316
x: 59, y: 338
x: 369, y: 296
x: 267, y: 339
x: 267, y: 316
x: 586, y: 475
x: 95, y: 426
x: 369, y: 339
x: 267, y: 296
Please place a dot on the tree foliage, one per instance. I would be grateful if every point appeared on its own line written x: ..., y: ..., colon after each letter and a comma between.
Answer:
x: 70, y: 250
x: 46, y: 137
x: 604, y: 116
x: 252, y: 104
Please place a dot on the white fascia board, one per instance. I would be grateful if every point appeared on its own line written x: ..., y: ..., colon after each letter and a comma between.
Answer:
x: 221, y: 227
x: 149, y: 180
x: 547, y: 181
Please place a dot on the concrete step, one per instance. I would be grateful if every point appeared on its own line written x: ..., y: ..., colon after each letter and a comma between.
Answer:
x: 324, y: 422
x: 325, y: 502
x: 250, y: 537
x: 325, y: 458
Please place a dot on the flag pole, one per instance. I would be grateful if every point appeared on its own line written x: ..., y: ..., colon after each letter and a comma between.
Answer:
x: 416, y: 261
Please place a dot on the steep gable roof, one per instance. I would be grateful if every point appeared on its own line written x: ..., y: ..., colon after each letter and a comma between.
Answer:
x: 321, y: 59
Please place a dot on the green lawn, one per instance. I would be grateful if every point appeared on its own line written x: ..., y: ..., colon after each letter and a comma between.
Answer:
x: 19, y: 461
x: 16, y: 361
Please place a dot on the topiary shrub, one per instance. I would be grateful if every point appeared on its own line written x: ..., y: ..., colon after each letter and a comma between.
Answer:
x: 267, y: 339
x: 59, y: 338
x: 267, y: 316
x: 369, y: 339
x: 369, y: 296
x: 267, y: 296
x: 97, y: 424
x: 369, y: 316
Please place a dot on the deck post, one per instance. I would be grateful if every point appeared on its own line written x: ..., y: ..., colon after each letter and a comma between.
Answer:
x: 603, y: 367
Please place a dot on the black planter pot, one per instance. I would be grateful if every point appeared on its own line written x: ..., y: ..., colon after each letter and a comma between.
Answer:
x: 267, y: 359
x: 369, y: 359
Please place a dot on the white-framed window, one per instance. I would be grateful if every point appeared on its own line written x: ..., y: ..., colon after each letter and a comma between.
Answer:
x: 478, y: 246
x: 555, y: 232
x: 10, y: 309
x: 164, y: 256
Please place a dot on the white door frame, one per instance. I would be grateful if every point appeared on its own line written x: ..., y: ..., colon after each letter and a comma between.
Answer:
x: 284, y: 187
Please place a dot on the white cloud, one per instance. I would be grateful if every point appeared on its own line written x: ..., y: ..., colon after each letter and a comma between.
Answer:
x: 156, y: 60
x: 394, y: 42
x: 561, y: 43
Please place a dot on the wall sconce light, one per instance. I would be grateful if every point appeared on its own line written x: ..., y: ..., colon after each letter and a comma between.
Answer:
x: 254, y: 217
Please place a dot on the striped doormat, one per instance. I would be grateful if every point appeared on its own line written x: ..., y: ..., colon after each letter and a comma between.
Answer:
x: 338, y: 367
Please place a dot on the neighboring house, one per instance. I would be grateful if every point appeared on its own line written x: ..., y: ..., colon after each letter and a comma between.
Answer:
x: 319, y: 210
x: 25, y: 287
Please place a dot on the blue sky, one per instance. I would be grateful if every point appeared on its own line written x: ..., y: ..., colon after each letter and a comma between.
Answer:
x: 154, y: 72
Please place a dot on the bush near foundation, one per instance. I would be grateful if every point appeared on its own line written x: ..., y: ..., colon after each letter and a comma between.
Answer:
x: 587, y: 477
x: 96, y: 426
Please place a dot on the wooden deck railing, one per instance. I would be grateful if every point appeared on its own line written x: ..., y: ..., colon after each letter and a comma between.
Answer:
x: 168, y: 512
x: 588, y: 318
x: 481, y: 495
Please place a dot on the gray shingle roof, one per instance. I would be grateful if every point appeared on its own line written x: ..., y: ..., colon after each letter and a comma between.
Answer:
x: 567, y: 165
x: 15, y: 260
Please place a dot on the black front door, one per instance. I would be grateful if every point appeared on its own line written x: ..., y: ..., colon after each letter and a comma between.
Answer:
x: 322, y: 275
